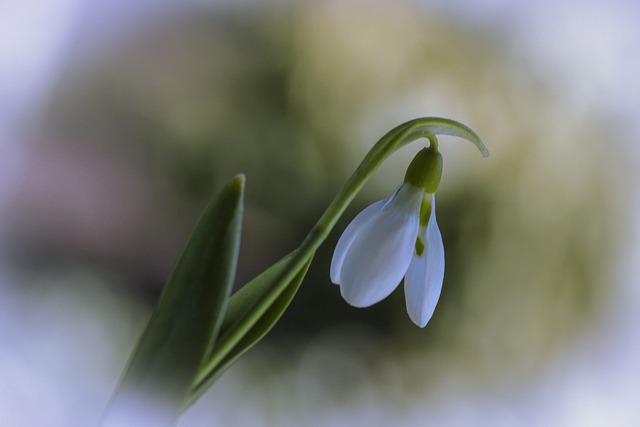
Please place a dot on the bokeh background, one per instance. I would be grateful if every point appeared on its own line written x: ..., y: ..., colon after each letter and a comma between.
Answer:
x: 119, y: 120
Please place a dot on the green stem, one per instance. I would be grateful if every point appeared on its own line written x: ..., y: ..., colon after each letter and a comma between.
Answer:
x: 398, y: 137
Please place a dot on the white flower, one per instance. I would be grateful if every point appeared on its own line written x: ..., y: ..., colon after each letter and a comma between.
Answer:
x: 391, y: 239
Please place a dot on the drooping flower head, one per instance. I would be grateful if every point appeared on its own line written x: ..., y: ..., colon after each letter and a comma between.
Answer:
x: 395, y: 238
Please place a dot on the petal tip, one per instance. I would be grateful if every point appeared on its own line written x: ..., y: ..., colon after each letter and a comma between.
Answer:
x: 420, y: 322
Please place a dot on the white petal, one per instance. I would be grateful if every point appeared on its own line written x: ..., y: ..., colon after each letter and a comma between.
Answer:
x: 381, y: 251
x: 423, y: 281
x: 350, y: 233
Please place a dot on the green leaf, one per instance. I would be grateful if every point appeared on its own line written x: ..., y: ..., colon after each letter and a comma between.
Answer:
x: 253, y: 311
x: 187, y: 319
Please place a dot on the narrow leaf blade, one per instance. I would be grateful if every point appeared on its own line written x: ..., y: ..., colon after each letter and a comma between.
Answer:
x: 186, y: 320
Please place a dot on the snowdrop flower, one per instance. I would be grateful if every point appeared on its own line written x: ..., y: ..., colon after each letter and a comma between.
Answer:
x: 395, y: 238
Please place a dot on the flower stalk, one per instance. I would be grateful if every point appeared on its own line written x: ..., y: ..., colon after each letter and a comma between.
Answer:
x: 299, y: 259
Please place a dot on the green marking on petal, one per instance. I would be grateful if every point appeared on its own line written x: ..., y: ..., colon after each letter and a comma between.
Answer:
x: 419, y: 246
x: 425, y: 210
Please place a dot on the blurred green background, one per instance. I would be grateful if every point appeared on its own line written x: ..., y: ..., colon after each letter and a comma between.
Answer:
x: 142, y: 125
